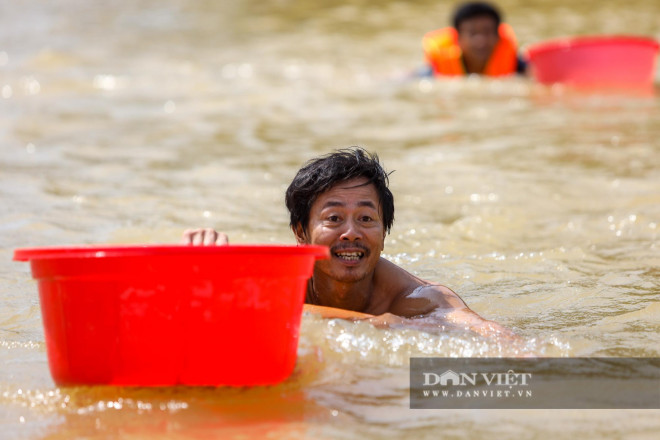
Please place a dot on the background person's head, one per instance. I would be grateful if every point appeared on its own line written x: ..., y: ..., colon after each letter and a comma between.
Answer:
x: 477, y: 25
x: 322, y: 173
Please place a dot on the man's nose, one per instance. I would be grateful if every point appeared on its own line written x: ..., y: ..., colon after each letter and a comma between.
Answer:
x: 351, y: 231
x: 480, y: 40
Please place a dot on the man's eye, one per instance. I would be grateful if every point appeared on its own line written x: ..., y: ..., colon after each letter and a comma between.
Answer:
x: 333, y: 218
x: 366, y: 218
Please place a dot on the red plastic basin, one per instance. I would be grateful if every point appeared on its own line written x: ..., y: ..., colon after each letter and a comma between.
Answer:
x: 168, y: 315
x: 595, y: 61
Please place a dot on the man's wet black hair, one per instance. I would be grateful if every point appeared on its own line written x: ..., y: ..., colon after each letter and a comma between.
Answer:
x: 476, y: 9
x: 320, y: 174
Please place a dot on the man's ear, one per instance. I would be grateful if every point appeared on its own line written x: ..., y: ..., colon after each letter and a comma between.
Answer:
x: 298, y: 231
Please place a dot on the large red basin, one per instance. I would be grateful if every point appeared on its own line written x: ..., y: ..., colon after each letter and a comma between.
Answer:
x: 168, y: 315
x: 595, y: 61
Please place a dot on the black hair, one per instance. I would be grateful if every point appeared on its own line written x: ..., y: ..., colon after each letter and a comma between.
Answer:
x: 476, y: 9
x: 320, y: 174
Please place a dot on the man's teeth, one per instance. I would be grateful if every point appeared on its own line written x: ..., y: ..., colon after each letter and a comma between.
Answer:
x: 349, y: 255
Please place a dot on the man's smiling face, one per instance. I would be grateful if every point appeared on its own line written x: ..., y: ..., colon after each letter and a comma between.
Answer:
x: 348, y: 219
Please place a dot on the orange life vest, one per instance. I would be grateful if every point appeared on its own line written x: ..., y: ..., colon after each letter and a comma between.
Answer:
x: 443, y: 53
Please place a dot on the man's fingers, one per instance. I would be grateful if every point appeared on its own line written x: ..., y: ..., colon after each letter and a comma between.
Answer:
x: 204, y: 237
x: 222, y: 239
x: 198, y: 238
x: 187, y: 237
x: 208, y: 237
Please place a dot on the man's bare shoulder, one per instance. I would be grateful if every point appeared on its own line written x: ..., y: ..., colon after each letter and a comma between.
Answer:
x: 410, y: 296
x: 408, y: 301
x: 427, y: 298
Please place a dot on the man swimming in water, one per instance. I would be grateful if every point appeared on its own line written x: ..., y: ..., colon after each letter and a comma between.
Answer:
x: 342, y: 200
x: 477, y: 43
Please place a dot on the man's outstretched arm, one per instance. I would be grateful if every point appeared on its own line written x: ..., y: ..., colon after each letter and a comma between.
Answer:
x: 433, y: 307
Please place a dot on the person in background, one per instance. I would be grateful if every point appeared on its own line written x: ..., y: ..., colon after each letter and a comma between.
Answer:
x: 342, y: 200
x: 478, y: 43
